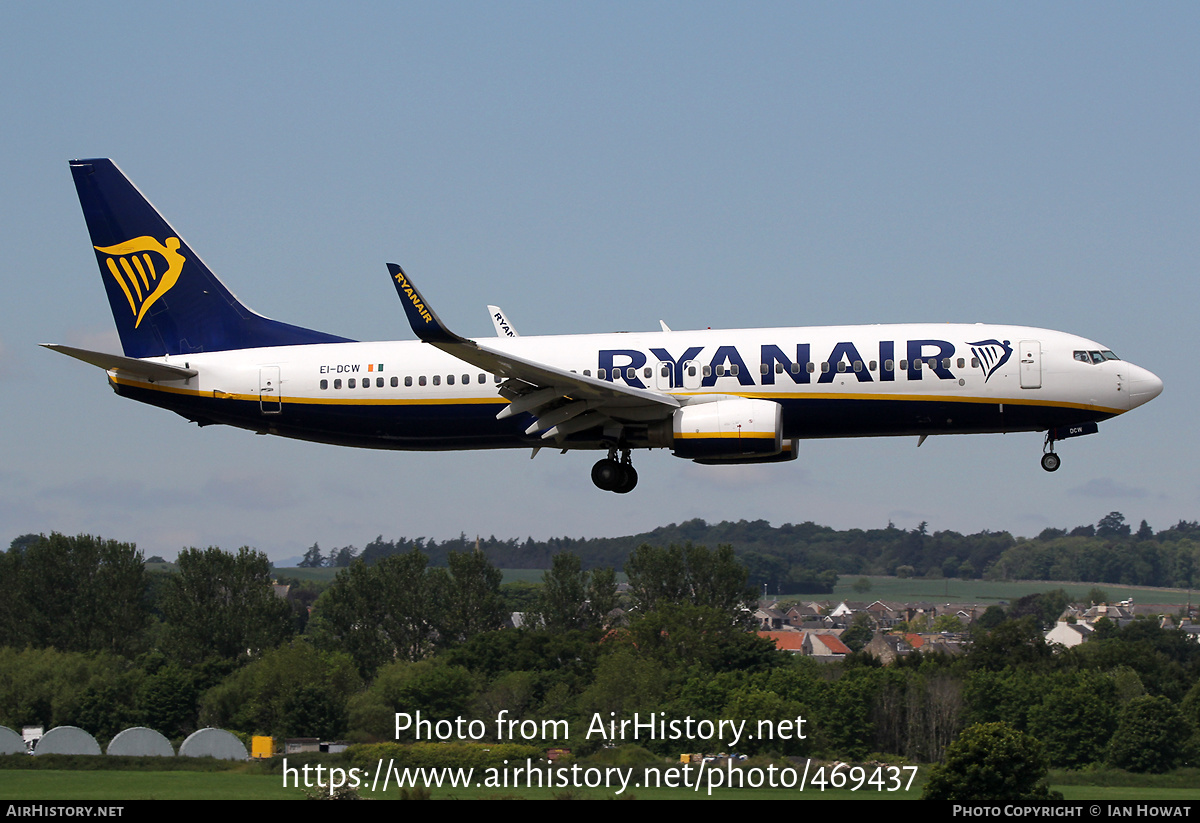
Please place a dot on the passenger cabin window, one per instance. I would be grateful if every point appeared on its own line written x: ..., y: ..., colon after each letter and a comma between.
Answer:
x: 408, y: 380
x: 324, y: 384
x: 379, y: 382
x: 421, y: 380
x: 449, y: 380
x: 337, y: 384
x: 437, y: 380
x: 350, y: 383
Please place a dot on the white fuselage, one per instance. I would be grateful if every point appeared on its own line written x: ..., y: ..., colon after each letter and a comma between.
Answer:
x: 832, y: 381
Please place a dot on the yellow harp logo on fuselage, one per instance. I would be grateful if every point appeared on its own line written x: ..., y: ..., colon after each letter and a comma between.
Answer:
x: 132, y: 265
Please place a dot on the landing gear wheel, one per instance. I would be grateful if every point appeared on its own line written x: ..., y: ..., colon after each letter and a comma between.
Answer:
x: 629, y: 479
x: 1051, y: 461
x: 607, y: 474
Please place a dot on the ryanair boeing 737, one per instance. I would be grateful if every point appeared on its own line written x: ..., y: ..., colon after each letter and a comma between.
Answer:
x: 712, y: 396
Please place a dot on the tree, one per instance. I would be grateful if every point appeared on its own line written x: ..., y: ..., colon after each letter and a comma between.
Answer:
x: 1012, y: 643
x: 947, y: 623
x: 991, y: 762
x: 689, y: 574
x: 602, y: 596
x: 1153, y: 736
x: 223, y: 605
x: 437, y: 690
x: 79, y: 593
x: 312, y: 558
x: 473, y: 600
x: 382, y: 612
x: 291, y: 691
x: 564, y: 593
x: 1046, y: 606
x: 860, y: 632
x: 1075, y: 722
x: 1112, y: 525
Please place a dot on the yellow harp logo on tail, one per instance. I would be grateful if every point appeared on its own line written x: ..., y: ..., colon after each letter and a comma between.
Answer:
x: 145, y: 269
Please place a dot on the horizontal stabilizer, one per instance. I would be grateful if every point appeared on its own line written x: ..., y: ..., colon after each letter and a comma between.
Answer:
x: 128, y: 365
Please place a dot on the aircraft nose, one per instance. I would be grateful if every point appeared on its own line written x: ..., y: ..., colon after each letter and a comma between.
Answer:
x: 1144, y: 386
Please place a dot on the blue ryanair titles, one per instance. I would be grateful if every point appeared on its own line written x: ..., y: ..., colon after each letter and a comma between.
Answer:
x: 921, y: 357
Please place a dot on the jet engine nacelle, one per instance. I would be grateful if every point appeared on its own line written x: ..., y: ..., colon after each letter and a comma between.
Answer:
x: 729, y: 430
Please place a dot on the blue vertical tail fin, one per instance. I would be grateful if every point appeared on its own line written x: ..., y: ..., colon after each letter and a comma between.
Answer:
x: 164, y: 300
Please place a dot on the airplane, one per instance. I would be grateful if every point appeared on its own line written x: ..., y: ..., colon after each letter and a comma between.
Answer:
x: 714, y: 396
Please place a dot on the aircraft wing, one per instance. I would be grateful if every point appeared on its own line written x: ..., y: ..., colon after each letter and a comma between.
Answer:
x: 562, y: 401
x: 129, y: 365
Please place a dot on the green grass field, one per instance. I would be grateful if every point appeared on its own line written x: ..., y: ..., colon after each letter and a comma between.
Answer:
x: 922, y: 589
x: 985, y: 592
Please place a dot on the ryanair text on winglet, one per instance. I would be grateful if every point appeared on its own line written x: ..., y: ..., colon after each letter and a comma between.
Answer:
x: 413, y: 297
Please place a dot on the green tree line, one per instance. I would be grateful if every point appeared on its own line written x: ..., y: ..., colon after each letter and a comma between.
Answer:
x: 808, y: 558
x: 211, y: 644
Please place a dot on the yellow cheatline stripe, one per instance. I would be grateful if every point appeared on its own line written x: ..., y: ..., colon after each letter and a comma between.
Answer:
x: 444, y: 401
x: 724, y: 435
x: 309, y: 401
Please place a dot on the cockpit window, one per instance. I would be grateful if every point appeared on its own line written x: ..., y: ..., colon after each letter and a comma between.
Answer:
x: 1095, y: 357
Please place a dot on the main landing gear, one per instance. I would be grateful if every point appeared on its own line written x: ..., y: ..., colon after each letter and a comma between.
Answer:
x: 1050, y: 460
x: 613, y: 475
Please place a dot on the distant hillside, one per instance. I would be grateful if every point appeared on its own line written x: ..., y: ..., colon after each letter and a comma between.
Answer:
x: 806, y: 557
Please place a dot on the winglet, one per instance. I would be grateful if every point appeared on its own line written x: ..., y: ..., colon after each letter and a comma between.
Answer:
x: 503, y: 327
x: 424, y: 322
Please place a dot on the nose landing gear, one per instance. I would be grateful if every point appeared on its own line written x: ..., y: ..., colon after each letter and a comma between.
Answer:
x: 1050, y: 460
x: 612, y: 475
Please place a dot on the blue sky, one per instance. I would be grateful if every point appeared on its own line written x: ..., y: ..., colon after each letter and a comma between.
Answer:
x: 597, y: 167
